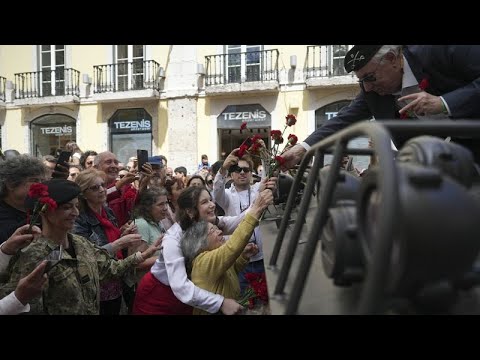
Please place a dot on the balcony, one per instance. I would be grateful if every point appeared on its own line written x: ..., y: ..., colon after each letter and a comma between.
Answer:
x: 3, y: 82
x: 137, y: 79
x: 57, y: 86
x: 253, y: 71
x: 324, y: 66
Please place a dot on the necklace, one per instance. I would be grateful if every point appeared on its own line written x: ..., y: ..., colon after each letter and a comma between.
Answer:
x: 242, y: 209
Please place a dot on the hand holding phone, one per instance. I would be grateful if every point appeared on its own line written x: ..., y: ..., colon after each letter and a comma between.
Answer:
x: 142, y: 157
x: 61, y: 168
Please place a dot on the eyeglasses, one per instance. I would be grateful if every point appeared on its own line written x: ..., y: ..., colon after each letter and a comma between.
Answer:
x: 238, y: 169
x: 370, y: 77
x: 96, y: 187
x: 212, y: 230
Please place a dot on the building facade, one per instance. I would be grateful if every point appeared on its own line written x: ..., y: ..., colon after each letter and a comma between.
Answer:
x: 180, y: 101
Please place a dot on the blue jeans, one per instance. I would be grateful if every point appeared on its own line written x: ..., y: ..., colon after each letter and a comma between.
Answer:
x: 252, y: 267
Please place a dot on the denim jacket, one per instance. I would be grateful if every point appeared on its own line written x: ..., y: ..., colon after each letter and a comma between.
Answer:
x: 88, y: 226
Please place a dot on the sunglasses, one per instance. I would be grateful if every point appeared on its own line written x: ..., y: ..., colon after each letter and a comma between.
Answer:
x: 210, y: 182
x: 89, y: 162
x: 238, y: 169
x: 96, y: 187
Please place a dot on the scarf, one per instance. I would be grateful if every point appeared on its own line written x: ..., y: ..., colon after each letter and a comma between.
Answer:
x: 111, y: 231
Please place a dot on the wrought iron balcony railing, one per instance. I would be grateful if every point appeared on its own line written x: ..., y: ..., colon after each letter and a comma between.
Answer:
x: 241, y: 67
x: 325, y: 60
x: 58, y: 82
x: 126, y: 76
x: 3, y: 81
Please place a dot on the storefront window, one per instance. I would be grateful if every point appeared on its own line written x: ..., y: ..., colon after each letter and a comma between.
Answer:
x: 51, y: 132
x: 258, y: 121
x: 130, y: 129
x: 329, y: 111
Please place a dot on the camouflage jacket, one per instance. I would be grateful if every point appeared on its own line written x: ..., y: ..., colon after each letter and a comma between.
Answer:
x: 73, y: 284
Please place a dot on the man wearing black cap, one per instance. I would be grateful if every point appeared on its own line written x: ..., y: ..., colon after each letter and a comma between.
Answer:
x: 412, y: 81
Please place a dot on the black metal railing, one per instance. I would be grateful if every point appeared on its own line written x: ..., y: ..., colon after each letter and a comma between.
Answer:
x: 58, y: 82
x: 373, y: 293
x: 126, y: 76
x: 241, y: 67
x: 325, y: 60
x: 3, y: 82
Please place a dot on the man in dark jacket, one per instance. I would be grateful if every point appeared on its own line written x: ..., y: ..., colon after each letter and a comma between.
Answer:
x: 413, y: 81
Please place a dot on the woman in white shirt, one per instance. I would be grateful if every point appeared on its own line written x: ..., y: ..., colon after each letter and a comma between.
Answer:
x: 166, y: 289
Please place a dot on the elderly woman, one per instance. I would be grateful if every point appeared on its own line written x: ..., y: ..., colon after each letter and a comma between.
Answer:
x: 16, y: 176
x: 166, y: 289
x: 215, y: 264
x: 80, y: 266
x: 98, y: 224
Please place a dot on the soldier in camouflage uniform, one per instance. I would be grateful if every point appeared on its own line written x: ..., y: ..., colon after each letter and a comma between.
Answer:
x: 73, y: 283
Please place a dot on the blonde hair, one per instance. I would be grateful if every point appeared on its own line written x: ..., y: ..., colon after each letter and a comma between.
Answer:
x: 85, y: 179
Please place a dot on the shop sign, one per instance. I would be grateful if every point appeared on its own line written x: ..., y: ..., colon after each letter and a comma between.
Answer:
x: 131, y: 126
x: 253, y: 114
x: 57, y: 130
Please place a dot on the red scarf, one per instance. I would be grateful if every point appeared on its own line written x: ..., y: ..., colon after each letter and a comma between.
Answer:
x: 111, y: 231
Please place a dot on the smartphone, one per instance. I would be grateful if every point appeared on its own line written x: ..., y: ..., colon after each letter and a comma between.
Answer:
x: 63, y: 160
x: 142, y: 158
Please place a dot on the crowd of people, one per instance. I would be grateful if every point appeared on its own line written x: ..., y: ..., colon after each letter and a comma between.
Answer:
x: 162, y: 241
x: 107, y: 240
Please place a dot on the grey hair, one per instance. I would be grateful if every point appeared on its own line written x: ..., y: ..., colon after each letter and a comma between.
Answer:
x: 16, y: 170
x: 193, y: 242
x: 385, y: 49
x: 99, y: 157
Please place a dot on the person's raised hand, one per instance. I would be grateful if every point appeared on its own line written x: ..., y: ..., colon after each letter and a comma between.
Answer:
x: 250, y: 250
x: 270, y: 183
x: 21, y: 238
x: 232, y: 159
x: 292, y: 156
x: 262, y: 201
x: 32, y: 285
x: 422, y: 103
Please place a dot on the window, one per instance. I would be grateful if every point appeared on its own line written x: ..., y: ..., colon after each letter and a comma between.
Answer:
x: 244, y: 63
x: 130, y: 129
x: 52, y: 132
x: 52, y: 67
x: 130, y: 72
x: 329, y: 111
x: 338, y: 54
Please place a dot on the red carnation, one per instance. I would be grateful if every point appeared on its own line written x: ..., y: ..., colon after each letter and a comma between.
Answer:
x: 275, y: 134
x: 424, y: 84
x: 52, y: 204
x: 292, y: 139
x: 280, y: 160
x: 38, y: 190
x: 242, y: 151
x: 291, y: 119
x: 256, y: 137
